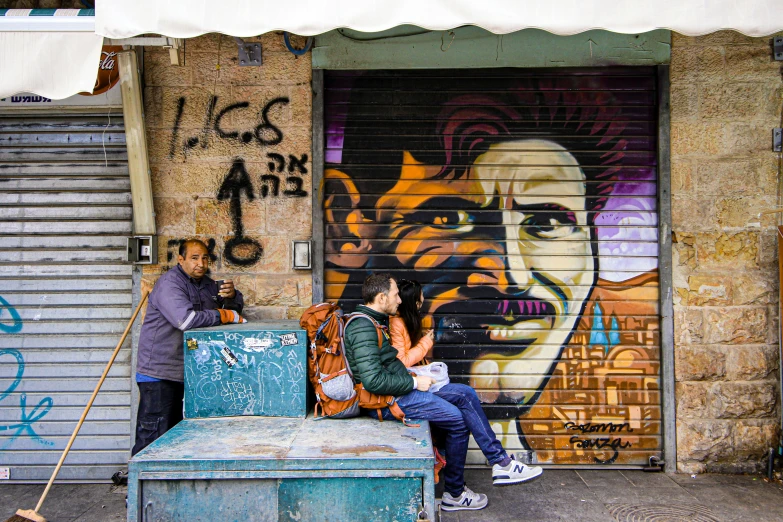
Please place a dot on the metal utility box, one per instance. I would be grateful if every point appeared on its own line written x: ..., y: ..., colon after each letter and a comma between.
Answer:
x: 246, y: 369
x: 270, y: 469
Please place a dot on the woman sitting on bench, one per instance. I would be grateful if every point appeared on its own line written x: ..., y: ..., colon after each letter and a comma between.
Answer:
x: 405, y: 328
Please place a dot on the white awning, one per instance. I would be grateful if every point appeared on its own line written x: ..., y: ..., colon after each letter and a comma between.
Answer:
x: 53, y: 53
x: 189, y: 18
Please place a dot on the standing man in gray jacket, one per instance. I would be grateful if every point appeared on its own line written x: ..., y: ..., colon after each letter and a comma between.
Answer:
x: 183, y: 298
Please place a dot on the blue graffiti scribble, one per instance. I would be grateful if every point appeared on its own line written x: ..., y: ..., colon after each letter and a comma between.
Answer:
x: 16, y: 325
x: 25, y: 424
x: 19, y: 371
x: 25, y: 427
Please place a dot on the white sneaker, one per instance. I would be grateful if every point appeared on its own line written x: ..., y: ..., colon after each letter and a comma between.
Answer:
x: 467, y: 500
x: 514, y: 473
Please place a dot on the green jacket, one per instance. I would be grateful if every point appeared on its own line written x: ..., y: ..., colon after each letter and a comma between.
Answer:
x: 378, y: 369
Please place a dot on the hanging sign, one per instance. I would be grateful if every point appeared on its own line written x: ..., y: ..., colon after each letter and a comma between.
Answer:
x: 108, y: 70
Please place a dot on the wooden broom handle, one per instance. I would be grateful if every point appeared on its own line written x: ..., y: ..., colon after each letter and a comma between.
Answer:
x: 89, y: 404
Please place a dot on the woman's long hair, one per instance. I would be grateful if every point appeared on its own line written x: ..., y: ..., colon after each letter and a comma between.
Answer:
x: 410, y: 291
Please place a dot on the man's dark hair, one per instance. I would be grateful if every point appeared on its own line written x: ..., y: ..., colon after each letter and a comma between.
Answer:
x: 376, y: 284
x: 183, y: 247
x: 582, y: 112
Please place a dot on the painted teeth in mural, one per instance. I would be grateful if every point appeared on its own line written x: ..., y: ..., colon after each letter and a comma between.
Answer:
x: 525, y: 204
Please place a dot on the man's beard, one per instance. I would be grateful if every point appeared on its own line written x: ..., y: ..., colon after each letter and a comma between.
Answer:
x: 468, y: 321
x: 463, y: 329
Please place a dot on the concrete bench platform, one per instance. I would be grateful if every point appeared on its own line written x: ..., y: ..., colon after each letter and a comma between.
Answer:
x: 302, y: 469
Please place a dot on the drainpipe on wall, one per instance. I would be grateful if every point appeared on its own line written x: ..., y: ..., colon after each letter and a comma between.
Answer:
x: 141, y: 194
x: 779, y: 228
x: 135, y: 137
x: 770, y: 464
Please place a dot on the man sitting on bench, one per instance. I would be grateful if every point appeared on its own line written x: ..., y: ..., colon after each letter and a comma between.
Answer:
x: 455, y: 408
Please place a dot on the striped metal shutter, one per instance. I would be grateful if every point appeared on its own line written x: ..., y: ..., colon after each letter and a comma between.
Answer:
x: 65, y: 293
x: 525, y: 202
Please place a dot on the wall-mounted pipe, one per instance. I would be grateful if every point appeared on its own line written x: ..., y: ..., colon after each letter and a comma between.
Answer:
x: 297, y: 52
x: 136, y: 140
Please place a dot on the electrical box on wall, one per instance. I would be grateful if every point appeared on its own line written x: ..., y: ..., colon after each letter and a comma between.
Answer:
x: 249, y: 53
x: 301, y: 251
x: 143, y: 250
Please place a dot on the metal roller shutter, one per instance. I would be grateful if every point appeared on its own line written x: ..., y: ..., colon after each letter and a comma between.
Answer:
x: 65, y: 293
x: 525, y: 202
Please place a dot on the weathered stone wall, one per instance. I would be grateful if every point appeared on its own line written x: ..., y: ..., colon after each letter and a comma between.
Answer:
x: 230, y: 151
x: 725, y: 100
x: 218, y: 131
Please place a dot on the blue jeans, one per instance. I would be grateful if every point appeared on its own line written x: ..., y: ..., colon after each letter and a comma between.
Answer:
x: 456, y: 410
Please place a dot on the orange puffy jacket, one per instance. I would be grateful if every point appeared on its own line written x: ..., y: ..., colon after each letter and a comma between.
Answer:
x: 410, y: 356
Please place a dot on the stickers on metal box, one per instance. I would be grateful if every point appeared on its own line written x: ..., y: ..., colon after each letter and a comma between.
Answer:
x: 289, y: 339
x: 228, y: 356
x: 251, y: 344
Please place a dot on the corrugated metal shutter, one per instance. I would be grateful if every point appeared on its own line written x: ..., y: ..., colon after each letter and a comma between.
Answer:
x: 65, y: 211
x: 525, y: 202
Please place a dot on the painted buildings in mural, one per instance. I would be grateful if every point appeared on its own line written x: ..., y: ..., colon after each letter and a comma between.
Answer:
x: 526, y: 207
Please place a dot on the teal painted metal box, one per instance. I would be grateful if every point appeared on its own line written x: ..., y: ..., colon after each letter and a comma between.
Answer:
x: 246, y: 369
x: 283, y: 469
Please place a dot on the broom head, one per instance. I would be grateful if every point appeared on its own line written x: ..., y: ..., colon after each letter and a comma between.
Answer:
x: 26, y: 515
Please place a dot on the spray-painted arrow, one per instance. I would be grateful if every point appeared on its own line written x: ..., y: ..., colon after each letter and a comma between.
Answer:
x: 239, y: 250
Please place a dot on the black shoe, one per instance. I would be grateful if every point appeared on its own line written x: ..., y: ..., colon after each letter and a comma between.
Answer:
x: 120, y: 478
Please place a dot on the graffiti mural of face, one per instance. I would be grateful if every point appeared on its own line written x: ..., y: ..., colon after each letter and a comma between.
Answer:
x: 532, y: 257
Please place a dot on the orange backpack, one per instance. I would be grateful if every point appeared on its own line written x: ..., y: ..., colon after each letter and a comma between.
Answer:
x: 327, y: 367
x: 336, y: 395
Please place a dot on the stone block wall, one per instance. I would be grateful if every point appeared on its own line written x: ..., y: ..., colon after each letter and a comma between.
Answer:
x: 230, y: 157
x: 726, y: 96
x: 229, y: 150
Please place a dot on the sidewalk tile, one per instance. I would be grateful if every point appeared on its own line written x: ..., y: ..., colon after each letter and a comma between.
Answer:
x: 560, y: 477
x: 23, y: 496
x: 633, y: 495
x: 736, y: 503
x: 646, y: 480
x: 604, y: 479
x: 67, y: 502
x: 555, y: 496
x: 684, y: 479
x: 108, y: 509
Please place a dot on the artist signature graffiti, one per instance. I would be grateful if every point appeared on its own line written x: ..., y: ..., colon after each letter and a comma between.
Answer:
x: 27, y: 418
x: 612, y: 444
x: 601, y: 443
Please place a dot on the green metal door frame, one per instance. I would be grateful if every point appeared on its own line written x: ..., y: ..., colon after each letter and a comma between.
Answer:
x: 410, y: 47
x: 470, y: 47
